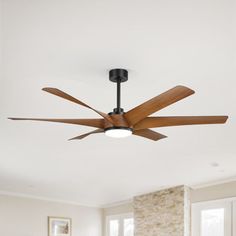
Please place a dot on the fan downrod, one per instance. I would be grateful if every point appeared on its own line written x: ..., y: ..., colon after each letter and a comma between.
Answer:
x: 118, y: 76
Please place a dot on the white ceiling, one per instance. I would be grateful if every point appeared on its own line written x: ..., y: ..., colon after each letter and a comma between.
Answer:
x: 72, y: 45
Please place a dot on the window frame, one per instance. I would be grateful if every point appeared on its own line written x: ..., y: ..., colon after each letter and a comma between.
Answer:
x: 120, y: 218
x: 234, y: 217
x: 227, y: 204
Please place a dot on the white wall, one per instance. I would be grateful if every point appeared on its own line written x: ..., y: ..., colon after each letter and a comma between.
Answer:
x: 28, y: 217
x: 219, y: 191
x: 119, y: 209
x: 1, y: 46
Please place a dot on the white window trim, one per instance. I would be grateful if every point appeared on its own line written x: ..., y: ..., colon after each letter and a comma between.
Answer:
x: 229, y: 204
x: 234, y: 218
x: 120, y: 218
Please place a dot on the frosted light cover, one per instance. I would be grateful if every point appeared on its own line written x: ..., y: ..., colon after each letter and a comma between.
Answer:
x: 118, y: 133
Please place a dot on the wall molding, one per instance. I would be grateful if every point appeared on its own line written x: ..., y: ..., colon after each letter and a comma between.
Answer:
x: 55, y: 200
x: 213, y: 183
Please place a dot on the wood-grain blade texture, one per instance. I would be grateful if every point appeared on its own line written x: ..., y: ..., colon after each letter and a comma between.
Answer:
x: 68, y: 97
x: 152, y: 122
x: 97, y: 123
x: 157, y: 103
x: 149, y: 134
x: 87, y: 134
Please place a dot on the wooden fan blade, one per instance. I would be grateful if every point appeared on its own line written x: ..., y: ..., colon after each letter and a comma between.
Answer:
x: 87, y: 134
x: 157, y: 103
x: 98, y: 123
x: 66, y: 96
x: 151, y: 122
x: 150, y: 134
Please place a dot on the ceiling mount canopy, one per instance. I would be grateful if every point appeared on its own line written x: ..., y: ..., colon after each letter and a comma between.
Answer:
x: 136, y: 121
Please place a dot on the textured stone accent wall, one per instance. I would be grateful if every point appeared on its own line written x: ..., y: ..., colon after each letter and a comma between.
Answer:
x: 163, y: 213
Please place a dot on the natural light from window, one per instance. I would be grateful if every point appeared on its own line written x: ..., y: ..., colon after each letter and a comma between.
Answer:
x: 120, y: 225
x: 129, y: 227
x: 212, y: 222
x: 114, y: 228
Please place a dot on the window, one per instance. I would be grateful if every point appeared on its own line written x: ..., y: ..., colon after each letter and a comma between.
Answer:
x: 212, y: 222
x: 212, y: 218
x: 120, y: 225
x: 128, y: 227
x: 114, y: 228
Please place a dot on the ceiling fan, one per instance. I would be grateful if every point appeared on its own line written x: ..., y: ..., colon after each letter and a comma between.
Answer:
x: 136, y: 121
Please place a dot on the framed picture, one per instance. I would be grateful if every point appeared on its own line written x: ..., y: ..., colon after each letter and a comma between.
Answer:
x: 59, y: 226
